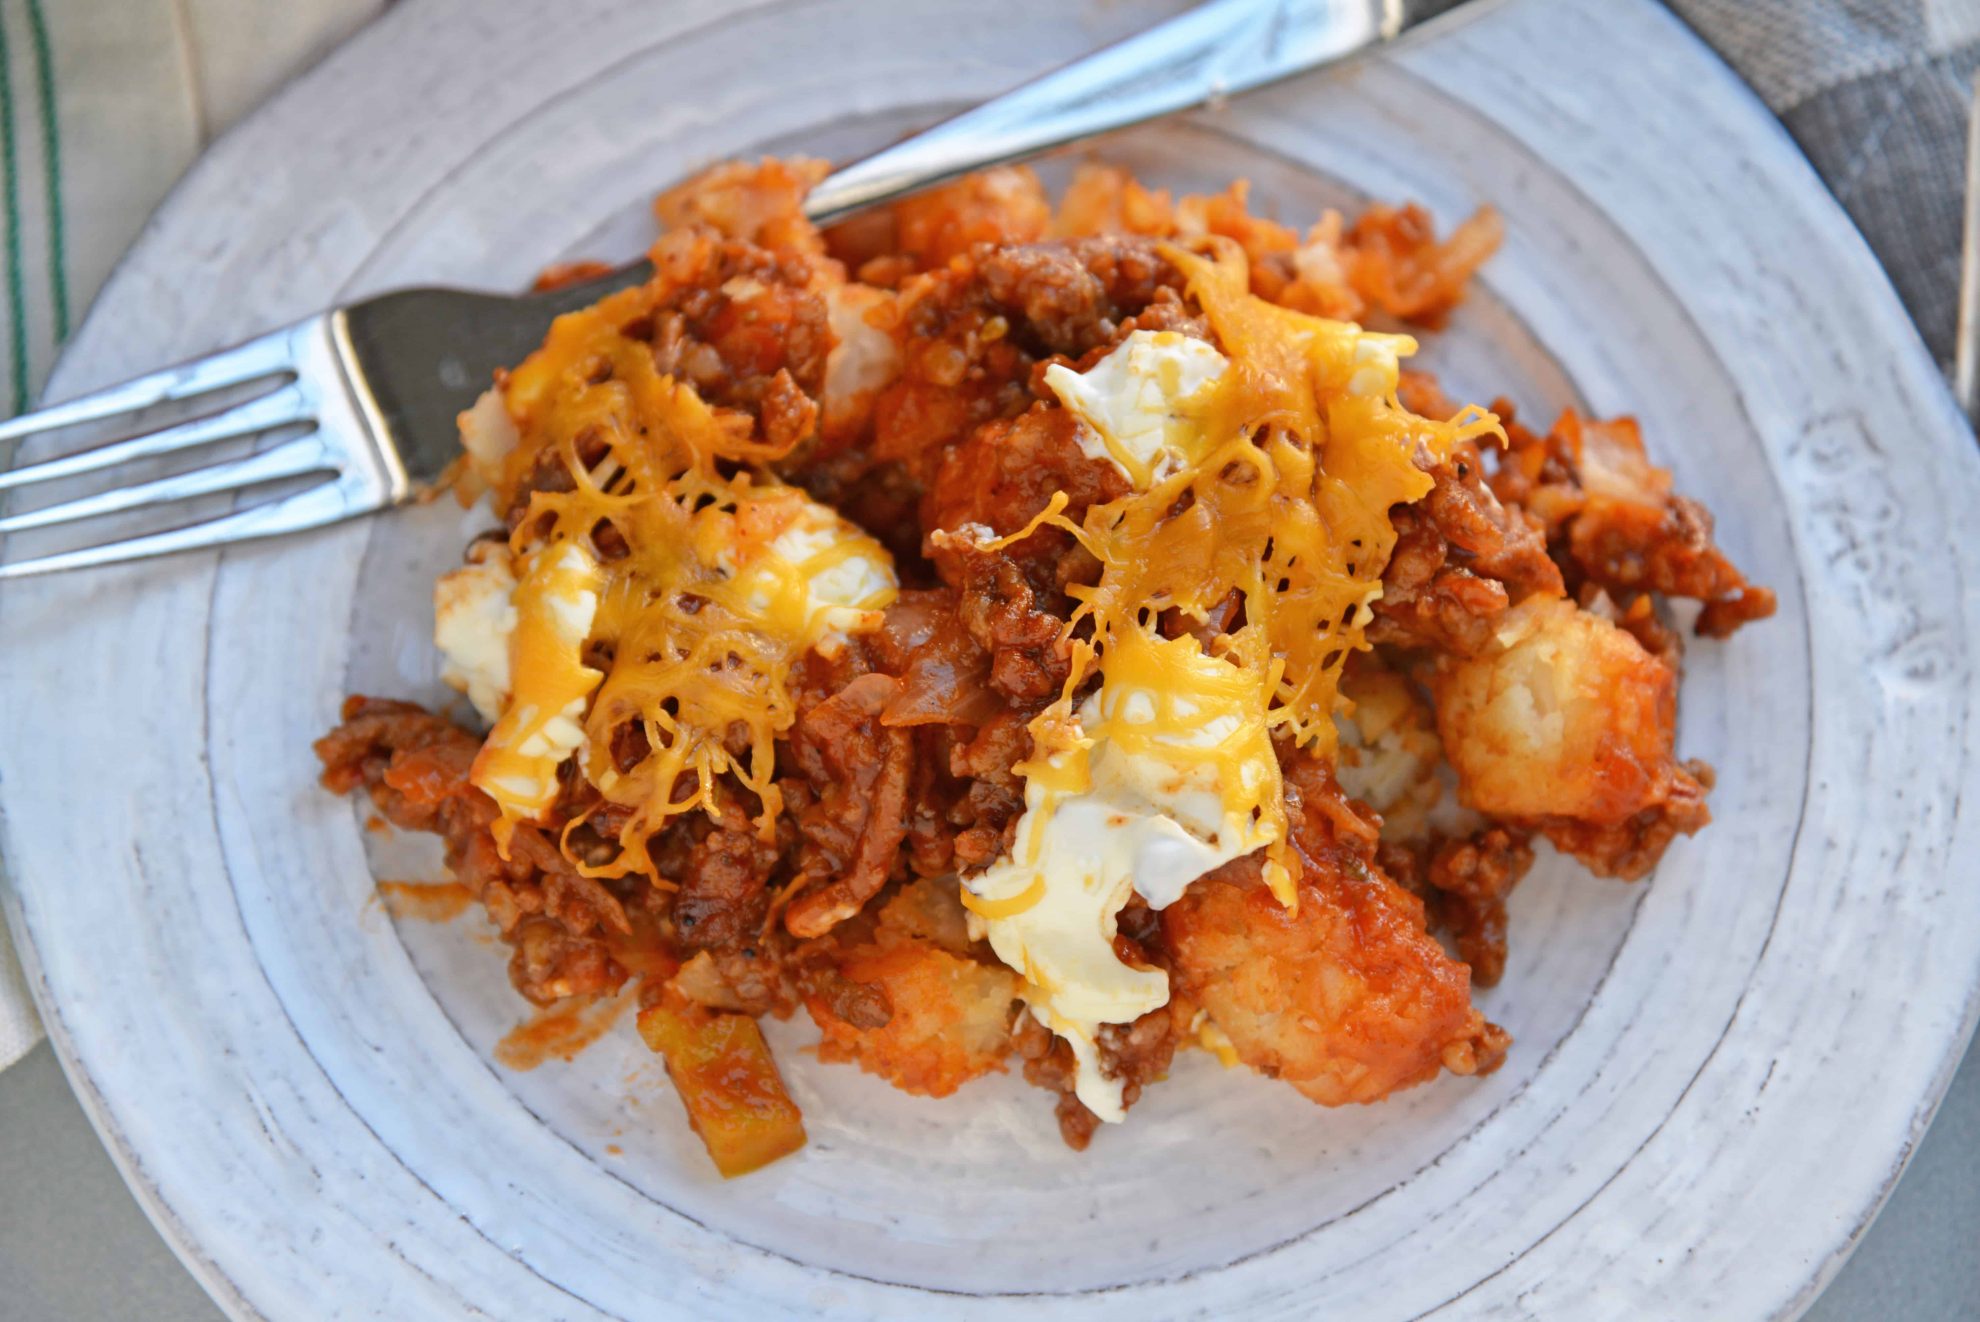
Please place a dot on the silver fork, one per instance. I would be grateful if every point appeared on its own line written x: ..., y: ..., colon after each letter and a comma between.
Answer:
x: 374, y: 388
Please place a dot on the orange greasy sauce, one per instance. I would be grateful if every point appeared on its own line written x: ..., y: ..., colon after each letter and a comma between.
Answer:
x: 559, y: 1032
x: 433, y: 901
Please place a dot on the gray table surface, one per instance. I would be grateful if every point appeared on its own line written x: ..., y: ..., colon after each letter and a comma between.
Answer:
x: 74, y: 1247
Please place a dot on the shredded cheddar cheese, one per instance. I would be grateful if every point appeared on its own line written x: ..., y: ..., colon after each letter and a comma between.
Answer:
x: 1279, y: 507
x: 1261, y: 483
x: 1010, y: 906
x: 1260, y: 502
x: 714, y: 579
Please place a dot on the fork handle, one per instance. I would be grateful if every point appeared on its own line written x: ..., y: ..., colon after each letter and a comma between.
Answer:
x: 1211, y: 51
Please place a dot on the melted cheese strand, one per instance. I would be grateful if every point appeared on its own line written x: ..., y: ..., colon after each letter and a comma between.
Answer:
x: 555, y: 602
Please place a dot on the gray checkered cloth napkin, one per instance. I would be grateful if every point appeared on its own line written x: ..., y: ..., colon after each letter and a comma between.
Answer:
x: 1877, y: 93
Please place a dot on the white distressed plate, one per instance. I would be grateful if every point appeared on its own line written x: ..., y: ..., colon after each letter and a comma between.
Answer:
x: 1718, y: 1074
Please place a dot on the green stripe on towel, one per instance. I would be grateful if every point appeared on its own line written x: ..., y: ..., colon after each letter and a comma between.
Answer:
x: 9, y: 152
x: 51, y: 160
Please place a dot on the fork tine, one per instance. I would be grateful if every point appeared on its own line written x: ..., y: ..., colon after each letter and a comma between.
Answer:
x: 264, y: 356
x: 305, y: 454
x: 322, y: 504
x: 287, y: 405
